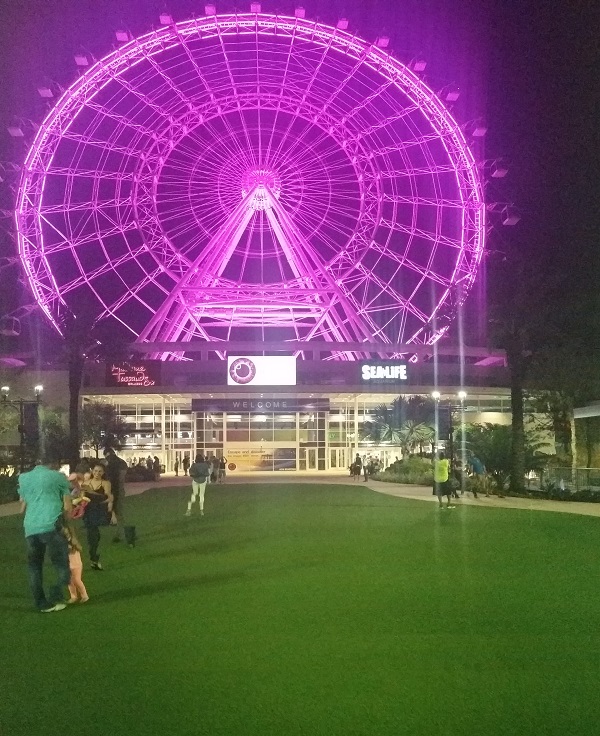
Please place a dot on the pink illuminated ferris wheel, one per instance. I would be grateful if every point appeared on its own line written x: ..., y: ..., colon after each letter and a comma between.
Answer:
x: 252, y: 177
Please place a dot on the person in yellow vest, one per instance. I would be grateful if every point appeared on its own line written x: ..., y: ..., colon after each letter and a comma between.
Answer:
x: 441, y: 479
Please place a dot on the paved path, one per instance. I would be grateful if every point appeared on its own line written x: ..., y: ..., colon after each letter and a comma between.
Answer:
x: 415, y: 493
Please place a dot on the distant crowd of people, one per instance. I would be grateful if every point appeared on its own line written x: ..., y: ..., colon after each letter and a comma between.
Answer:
x: 367, y: 466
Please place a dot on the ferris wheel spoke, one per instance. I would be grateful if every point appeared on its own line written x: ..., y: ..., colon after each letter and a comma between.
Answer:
x: 121, y: 120
x: 236, y: 94
x: 282, y: 89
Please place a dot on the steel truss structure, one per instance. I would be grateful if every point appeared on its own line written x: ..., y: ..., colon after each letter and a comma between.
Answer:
x: 252, y: 177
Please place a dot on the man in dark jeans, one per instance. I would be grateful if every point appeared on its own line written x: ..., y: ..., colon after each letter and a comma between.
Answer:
x: 116, y: 471
x: 46, y: 499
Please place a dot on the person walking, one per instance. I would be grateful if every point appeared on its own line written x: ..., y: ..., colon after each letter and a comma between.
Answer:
x: 356, y: 467
x: 185, y: 464
x: 156, y: 467
x: 116, y: 474
x: 176, y: 467
x: 98, y: 512
x: 45, y: 496
x: 441, y: 477
x: 222, y: 469
x: 478, y: 473
x: 199, y: 473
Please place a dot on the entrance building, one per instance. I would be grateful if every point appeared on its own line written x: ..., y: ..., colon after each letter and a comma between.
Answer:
x: 318, y: 423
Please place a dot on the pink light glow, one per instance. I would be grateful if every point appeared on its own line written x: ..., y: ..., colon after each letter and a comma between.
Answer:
x: 294, y: 184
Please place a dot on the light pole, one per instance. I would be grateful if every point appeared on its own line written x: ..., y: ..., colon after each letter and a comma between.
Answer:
x: 26, y: 420
x: 462, y: 395
x: 435, y: 395
x: 450, y: 407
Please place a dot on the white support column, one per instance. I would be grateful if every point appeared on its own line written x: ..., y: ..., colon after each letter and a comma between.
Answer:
x: 355, y: 425
x: 163, y: 432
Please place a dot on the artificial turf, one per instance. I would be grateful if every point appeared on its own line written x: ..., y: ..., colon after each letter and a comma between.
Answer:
x: 313, y: 609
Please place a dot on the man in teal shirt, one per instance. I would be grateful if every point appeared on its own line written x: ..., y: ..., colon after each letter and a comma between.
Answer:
x: 45, y: 497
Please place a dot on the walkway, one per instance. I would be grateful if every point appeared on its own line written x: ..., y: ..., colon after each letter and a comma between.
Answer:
x: 414, y: 493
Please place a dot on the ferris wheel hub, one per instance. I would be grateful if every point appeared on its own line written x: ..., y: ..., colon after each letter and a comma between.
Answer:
x: 261, y: 182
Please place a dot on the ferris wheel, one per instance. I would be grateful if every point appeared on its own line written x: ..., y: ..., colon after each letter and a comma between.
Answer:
x: 252, y: 177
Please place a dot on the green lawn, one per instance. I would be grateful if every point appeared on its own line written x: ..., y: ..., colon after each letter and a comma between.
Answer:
x: 302, y: 609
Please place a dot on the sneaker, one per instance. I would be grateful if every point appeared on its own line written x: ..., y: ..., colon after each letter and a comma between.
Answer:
x: 71, y: 600
x: 201, y: 512
x: 451, y: 507
x: 97, y: 566
x: 55, y: 607
x: 188, y: 513
x: 84, y: 600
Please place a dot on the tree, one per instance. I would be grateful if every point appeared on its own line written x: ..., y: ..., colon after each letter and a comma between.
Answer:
x: 405, y: 422
x: 563, y: 377
x: 85, y: 338
x: 101, y: 426
x: 591, y: 438
x: 54, y: 436
x: 523, y: 302
x: 413, y: 435
x: 9, y: 419
x: 492, y: 444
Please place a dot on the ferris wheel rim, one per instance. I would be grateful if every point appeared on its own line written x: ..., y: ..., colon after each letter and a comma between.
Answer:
x: 469, y: 188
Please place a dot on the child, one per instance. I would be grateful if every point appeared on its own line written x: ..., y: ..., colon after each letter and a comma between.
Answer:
x: 81, y: 476
x: 76, y: 584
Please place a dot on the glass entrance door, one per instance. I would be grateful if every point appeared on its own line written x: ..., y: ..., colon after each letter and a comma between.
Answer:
x: 338, y: 458
x: 308, y: 458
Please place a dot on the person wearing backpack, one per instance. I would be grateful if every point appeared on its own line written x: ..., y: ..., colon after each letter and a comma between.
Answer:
x: 199, y: 473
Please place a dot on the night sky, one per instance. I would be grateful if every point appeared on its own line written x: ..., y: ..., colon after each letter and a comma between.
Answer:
x: 530, y: 69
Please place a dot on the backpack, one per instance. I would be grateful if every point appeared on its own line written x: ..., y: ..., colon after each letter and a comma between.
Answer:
x: 199, y: 472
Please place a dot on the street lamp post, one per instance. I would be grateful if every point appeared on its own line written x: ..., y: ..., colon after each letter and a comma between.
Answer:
x: 20, y: 406
x: 450, y: 407
x: 435, y: 395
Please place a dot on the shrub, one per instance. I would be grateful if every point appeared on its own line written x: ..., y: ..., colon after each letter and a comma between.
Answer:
x: 138, y: 474
x: 412, y: 471
x: 8, y: 486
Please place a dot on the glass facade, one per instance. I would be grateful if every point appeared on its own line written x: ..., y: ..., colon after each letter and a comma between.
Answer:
x: 165, y: 426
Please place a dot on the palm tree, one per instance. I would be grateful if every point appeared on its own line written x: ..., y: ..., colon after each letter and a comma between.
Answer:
x: 385, y: 424
x: 413, y: 435
x: 407, y: 422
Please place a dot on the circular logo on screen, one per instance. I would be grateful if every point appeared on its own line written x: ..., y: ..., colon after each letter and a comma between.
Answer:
x: 232, y: 466
x: 242, y: 370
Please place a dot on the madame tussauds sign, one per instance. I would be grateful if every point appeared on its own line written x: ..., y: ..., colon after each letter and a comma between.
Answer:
x: 383, y: 372
x: 133, y: 375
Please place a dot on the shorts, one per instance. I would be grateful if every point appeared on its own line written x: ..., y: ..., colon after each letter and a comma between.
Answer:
x: 442, y: 488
